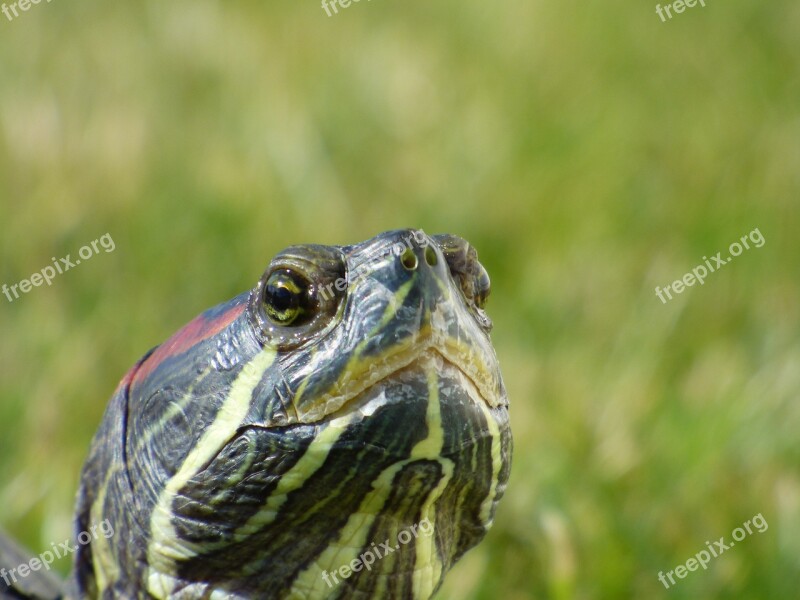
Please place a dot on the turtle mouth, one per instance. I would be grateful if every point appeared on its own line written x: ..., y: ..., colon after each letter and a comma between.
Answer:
x: 348, y: 392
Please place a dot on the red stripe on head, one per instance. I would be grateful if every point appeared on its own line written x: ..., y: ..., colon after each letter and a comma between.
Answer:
x: 192, y: 334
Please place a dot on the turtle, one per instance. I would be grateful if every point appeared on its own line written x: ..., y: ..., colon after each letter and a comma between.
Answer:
x: 339, y: 431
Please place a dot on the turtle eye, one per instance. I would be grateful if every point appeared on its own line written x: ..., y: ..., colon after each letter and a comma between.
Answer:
x: 482, y: 287
x: 286, y: 297
x: 468, y: 274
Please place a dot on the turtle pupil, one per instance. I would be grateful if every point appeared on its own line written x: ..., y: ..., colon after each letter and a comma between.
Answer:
x: 284, y: 297
x: 281, y: 298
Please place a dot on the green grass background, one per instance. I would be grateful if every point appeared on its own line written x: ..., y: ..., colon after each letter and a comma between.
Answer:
x: 588, y: 150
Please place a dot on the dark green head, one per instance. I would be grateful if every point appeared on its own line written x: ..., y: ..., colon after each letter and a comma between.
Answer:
x: 339, y: 431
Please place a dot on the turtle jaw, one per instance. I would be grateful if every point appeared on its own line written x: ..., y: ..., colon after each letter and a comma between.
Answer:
x: 478, y: 370
x: 419, y: 363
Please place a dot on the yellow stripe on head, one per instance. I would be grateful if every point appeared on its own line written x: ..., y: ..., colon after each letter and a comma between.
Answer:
x: 165, y: 546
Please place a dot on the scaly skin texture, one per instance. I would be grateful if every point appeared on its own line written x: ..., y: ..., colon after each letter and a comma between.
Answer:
x: 248, y: 457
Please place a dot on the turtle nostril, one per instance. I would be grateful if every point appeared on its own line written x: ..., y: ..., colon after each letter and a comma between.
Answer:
x: 430, y: 256
x: 409, y: 259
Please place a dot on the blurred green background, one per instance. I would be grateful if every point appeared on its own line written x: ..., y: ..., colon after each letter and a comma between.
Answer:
x: 588, y: 150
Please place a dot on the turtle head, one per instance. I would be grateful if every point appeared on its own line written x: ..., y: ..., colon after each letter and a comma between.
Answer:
x: 350, y: 323
x: 340, y: 430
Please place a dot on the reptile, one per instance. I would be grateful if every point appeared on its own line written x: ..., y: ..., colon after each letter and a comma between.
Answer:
x: 339, y: 431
